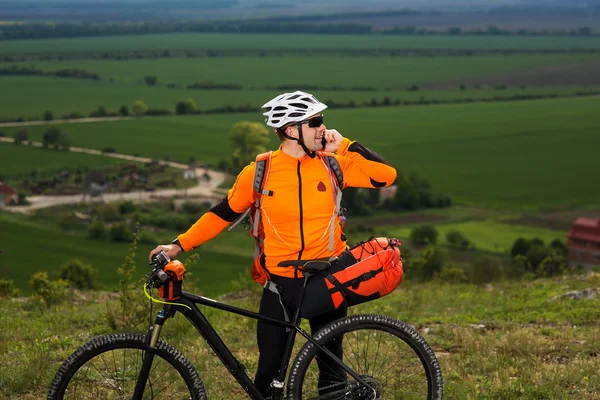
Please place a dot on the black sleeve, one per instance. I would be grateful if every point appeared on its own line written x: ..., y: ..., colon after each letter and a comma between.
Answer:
x: 366, y: 153
x: 224, y: 211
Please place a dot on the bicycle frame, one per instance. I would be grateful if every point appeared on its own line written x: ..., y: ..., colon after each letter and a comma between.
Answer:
x: 237, y: 370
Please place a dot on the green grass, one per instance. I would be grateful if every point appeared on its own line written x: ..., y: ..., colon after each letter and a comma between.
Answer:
x: 291, y: 41
x: 505, y: 341
x: 519, y: 155
x: 35, y: 95
x: 30, y: 246
x: 17, y: 160
x: 257, y: 72
x: 488, y: 235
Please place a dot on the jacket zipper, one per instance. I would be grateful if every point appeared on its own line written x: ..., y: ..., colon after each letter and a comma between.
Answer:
x: 301, y: 216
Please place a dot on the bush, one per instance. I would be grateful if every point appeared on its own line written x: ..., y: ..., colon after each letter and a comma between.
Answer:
x: 81, y: 276
x: 189, y: 207
x: 7, y: 288
x: 120, y: 233
x: 518, y: 267
x: 146, y: 237
x: 452, y: 275
x: 185, y: 107
x: 97, y: 230
x: 150, y: 80
x: 457, y: 240
x: 428, y: 264
x: 51, y: 292
x: 124, y: 111
x: 553, y: 265
x: 126, y: 207
x: 67, y: 221
x: 423, y: 235
x: 486, y: 269
x: 47, y: 116
x: 536, y: 255
x: 108, y: 211
x: 109, y: 149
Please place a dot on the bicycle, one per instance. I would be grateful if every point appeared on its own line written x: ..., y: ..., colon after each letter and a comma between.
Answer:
x: 137, y: 366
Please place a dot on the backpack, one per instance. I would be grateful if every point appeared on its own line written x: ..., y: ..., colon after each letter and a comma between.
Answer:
x: 368, y: 271
x: 261, y: 175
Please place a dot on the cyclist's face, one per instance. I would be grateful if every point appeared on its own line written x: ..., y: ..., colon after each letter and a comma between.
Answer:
x: 313, y: 130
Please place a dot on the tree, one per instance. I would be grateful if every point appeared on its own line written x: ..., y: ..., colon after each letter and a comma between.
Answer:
x: 185, y: 107
x: 150, y: 80
x: 406, y: 196
x: 457, y: 240
x: 559, y: 247
x: 422, y: 235
x: 47, y: 116
x: 139, y: 108
x: 51, y: 137
x: 64, y: 141
x: 124, y: 111
x: 21, y: 136
x: 247, y: 139
x: 520, y: 247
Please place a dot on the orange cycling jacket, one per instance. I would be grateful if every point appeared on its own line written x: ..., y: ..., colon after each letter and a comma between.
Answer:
x: 297, y: 217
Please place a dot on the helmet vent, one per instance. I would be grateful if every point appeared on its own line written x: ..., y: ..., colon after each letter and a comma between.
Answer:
x: 299, y: 105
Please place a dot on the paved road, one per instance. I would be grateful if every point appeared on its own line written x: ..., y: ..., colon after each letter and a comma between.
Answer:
x: 204, y: 188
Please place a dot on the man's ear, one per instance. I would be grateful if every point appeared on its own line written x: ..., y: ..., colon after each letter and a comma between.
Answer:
x: 290, y: 131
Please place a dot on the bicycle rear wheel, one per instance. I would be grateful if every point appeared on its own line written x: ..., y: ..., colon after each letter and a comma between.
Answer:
x: 390, y: 356
x: 107, y: 368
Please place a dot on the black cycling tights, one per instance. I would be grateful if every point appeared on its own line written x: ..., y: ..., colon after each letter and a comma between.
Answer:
x: 272, y: 339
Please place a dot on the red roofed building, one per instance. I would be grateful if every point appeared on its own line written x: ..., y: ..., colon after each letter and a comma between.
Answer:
x: 584, y: 242
x: 7, y: 195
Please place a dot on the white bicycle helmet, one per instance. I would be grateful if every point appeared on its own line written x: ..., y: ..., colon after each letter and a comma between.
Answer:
x: 291, y: 107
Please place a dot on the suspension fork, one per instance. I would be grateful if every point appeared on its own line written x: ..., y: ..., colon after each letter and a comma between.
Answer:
x: 151, y: 343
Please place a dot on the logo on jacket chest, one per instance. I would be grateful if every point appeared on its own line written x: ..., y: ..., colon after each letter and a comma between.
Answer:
x: 321, y: 187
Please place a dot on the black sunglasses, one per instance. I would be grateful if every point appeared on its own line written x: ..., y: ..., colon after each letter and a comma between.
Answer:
x: 314, y: 122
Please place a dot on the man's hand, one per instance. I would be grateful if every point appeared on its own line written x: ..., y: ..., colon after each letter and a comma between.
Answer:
x: 333, y: 140
x: 172, y: 250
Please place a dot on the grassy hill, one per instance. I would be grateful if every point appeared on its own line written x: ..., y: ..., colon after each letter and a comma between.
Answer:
x: 513, y: 340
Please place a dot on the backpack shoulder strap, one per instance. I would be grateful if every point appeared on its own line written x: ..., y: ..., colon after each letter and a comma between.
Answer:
x: 337, y: 170
x: 261, y: 172
x: 261, y: 175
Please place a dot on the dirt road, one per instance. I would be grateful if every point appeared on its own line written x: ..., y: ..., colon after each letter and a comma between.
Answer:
x: 205, y: 188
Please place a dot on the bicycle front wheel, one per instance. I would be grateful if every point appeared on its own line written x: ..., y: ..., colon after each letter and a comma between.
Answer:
x: 107, y: 368
x: 387, y: 354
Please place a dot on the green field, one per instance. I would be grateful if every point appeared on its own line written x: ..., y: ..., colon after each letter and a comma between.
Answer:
x: 30, y: 246
x: 292, y: 42
x: 520, y: 155
x: 488, y: 235
x: 383, y: 73
x: 35, y: 95
x: 19, y: 160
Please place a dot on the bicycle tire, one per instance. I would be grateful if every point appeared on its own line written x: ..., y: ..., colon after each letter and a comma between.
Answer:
x: 106, y: 386
x: 356, y: 330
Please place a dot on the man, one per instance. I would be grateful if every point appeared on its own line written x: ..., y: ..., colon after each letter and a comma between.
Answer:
x: 298, y: 214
